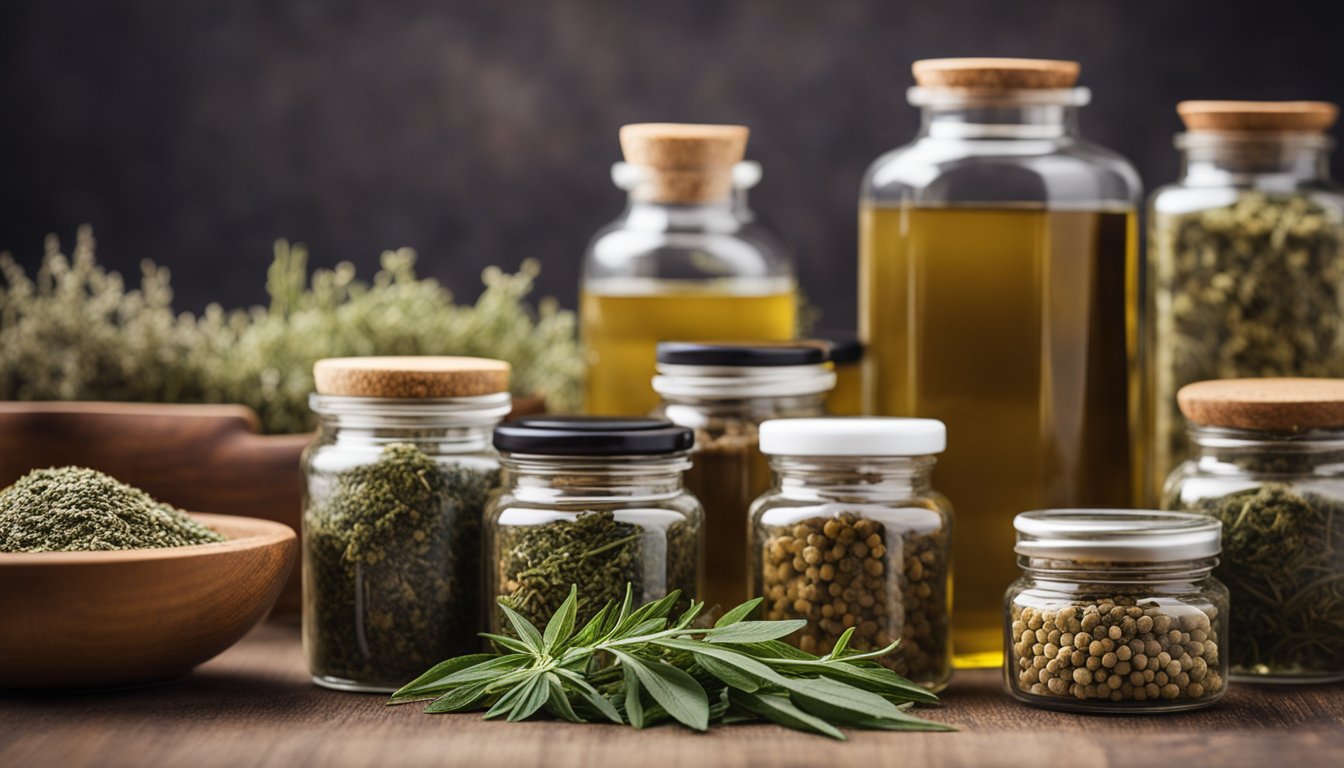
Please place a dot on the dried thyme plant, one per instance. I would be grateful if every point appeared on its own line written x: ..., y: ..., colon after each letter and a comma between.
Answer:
x: 639, y: 666
x: 75, y: 331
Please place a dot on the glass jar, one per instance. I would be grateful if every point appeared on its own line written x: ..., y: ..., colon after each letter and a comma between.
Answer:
x: 688, y: 259
x: 724, y: 392
x: 595, y: 502
x: 395, y: 483
x: 1245, y: 272
x: 995, y: 251
x: 853, y: 535
x: 1116, y: 611
x: 1268, y: 461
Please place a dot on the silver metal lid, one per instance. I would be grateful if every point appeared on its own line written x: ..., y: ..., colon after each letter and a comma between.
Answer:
x: 1117, y: 535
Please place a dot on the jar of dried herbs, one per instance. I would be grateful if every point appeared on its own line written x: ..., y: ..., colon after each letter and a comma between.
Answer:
x: 596, y: 502
x: 1116, y: 611
x: 1269, y: 463
x: 853, y: 538
x: 724, y: 392
x: 1245, y: 266
x: 395, y: 484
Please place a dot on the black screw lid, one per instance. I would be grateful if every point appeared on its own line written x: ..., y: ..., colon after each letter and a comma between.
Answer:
x: 846, y: 349
x: 743, y: 354
x: 592, y: 436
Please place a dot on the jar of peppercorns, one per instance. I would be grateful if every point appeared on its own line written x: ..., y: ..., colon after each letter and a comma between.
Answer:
x: 1116, y: 611
x: 853, y: 538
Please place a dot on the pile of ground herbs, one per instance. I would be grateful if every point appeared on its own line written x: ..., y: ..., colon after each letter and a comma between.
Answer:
x: 73, y: 509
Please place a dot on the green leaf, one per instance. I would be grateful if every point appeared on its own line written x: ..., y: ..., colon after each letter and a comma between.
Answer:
x: 561, y: 625
x: 535, y: 696
x: 593, y: 629
x: 634, y: 708
x: 906, y: 723
x: 775, y: 649
x: 460, y: 671
x: 739, y: 613
x: 728, y: 656
x: 754, y: 631
x: 590, y: 695
x: 779, y: 709
x: 526, y: 632
x: 689, y: 615
x: 876, y: 678
x: 835, y: 700
x: 511, y: 643
x: 841, y: 643
x: 673, y: 688
x: 509, y: 700
x: 558, y: 703
x: 729, y: 674
x: 459, y: 699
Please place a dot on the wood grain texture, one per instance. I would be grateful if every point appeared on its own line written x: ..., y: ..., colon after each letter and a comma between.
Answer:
x: 80, y: 619
x: 254, y: 706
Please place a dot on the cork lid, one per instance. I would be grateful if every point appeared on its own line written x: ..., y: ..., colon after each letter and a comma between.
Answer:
x: 1265, y: 405
x: 411, y: 377
x: 996, y: 74
x: 1257, y: 116
x: 684, y: 162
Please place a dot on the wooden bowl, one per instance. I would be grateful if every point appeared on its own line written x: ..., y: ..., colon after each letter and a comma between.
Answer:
x: 131, y: 617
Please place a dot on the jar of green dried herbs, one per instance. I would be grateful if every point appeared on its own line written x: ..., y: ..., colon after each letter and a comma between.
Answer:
x: 853, y: 538
x: 395, y: 484
x: 724, y: 391
x: 596, y: 502
x: 1116, y: 612
x: 1269, y: 463
x: 1245, y: 266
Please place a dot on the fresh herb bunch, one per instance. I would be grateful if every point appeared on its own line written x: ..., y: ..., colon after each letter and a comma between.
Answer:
x: 636, y: 666
x: 75, y: 331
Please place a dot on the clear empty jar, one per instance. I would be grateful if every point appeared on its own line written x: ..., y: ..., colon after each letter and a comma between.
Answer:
x: 593, y: 502
x: 1116, y: 611
x: 853, y: 536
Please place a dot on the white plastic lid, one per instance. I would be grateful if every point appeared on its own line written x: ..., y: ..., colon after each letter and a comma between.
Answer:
x: 1117, y: 535
x: 853, y: 436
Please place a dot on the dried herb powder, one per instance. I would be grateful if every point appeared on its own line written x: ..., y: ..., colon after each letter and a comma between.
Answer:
x: 599, y: 552
x: 1116, y: 649
x: 73, y: 509
x: 1283, y: 563
x: 393, y: 566
x: 1250, y: 289
x: 849, y: 571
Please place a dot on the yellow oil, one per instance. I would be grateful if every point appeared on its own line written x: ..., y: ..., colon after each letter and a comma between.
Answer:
x: 1009, y: 324
x: 621, y: 323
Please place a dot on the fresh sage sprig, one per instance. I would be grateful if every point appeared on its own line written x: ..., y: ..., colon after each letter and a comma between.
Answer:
x: 638, y: 666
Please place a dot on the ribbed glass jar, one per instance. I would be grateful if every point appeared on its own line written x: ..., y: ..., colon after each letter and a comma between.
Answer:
x: 1116, y: 611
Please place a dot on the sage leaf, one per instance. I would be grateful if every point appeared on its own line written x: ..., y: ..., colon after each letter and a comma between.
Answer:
x: 428, y: 685
x: 558, y: 702
x: 778, y: 709
x: 459, y: 699
x: 728, y: 674
x: 526, y: 632
x: 754, y: 631
x: 535, y: 693
x: 634, y: 708
x: 834, y: 699
x: 739, y: 613
x: 674, y: 689
x: 561, y: 625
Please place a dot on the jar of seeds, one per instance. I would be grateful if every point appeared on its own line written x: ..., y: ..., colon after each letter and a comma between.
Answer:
x: 853, y: 538
x: 1268, y: 463
x: 1116, y: 611
x: 724, y: 392
x: 595, y: 502
x: 1245, y: 262
x: 395, y: 483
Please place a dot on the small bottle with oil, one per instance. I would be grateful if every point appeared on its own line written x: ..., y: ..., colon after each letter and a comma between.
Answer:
x: 997, y: 254
x: 687, y: 260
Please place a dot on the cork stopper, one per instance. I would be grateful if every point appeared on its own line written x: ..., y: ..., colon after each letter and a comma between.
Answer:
x: 1258, y: 116
x: 684, y: 162
x: 1265, y: 405
x: 989, y: 74
x: 411, y: 377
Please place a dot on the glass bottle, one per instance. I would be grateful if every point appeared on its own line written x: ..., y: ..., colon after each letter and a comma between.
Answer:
x: 1268, y: 462
x: 724, y: 392
x: 1116, y: 611
x: 995, y: 250
x: 853, y: 535
x: 1245, y: 270
x: 395, y: 482
x: 688, y: 259
x: 597, y: 502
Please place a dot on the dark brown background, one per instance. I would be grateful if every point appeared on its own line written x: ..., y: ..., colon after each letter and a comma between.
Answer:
x: 481, y: 132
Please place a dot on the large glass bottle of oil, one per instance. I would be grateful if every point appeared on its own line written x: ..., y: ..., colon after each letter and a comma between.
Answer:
x: 688, y: 260
x: 997, y: 255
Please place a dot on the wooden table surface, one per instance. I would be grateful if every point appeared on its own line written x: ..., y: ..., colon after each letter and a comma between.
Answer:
x: 254, y: 706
